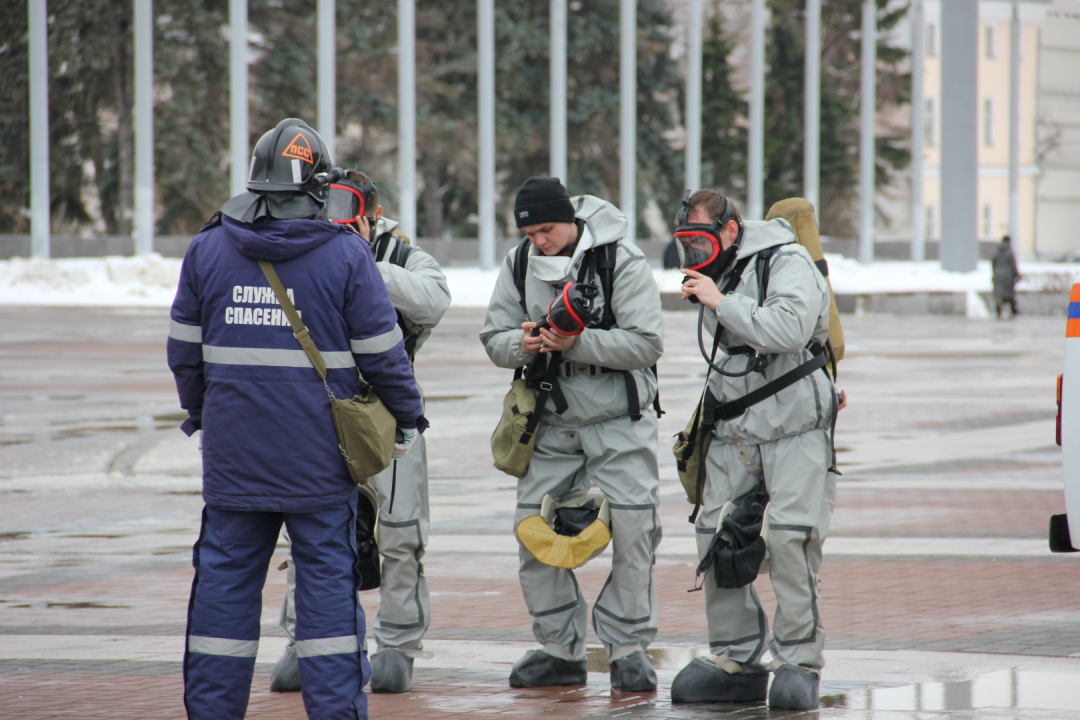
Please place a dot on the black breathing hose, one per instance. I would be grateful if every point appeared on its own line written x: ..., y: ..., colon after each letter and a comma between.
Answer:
x: 751, y: 363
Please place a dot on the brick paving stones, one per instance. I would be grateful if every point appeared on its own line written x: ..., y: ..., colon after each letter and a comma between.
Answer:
x: 99, y: 505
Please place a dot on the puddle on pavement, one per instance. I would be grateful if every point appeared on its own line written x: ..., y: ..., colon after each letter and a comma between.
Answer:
x: 1012, y: 688
x: 20, y: 535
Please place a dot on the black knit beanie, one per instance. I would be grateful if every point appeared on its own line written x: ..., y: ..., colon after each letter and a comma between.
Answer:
x: 542, y: 200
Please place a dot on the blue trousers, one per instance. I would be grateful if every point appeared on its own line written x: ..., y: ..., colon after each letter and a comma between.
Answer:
x: 231, y: 559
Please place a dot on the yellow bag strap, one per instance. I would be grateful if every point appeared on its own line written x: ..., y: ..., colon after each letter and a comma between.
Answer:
x: 300, y: 331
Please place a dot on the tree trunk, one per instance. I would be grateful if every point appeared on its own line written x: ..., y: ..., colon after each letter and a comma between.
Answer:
x: 431, y: 197
x: 125, y: 136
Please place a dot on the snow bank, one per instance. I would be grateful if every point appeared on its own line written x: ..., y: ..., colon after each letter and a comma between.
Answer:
x: 150, y: 281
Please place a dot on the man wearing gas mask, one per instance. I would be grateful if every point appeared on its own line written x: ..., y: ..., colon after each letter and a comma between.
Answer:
x: 589, y: 353
x: 767, y: 308
x: 420, y: 294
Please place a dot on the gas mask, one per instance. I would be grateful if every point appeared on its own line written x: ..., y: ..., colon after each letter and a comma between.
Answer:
x: 571, y: 311
x: 699, y: 245
x: 347, y: 203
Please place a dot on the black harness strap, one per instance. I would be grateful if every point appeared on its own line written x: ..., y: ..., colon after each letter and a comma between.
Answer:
x: 735, y: 408
x: 399, y: 257
x: 546, y: 385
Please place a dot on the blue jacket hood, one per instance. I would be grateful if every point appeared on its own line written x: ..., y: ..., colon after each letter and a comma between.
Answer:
x: 278, y: 240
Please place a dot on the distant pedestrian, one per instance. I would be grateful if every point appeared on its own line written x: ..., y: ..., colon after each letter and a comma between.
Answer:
x: 1006, y: 275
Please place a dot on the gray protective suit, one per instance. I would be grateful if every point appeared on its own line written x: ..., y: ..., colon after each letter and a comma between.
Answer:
x: 593, y: 442
x: 420, y: 293
x: 788, y: 436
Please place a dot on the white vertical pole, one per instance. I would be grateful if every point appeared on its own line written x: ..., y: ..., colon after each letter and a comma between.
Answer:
x: 39, y: 129
x: 918, y: 131
x: 1014, y: 123
x: 485, y: 35
x: 238, y: 95
x: 406, y: 12
x: 558, y: 91
x: 866, y: 131
x: 959, y: 135
x: 325, y: 40
x: 755, y: 191
x: 144, y: 127
x: 694, y: 21
x: 628, y: 114
x: 812, y: 105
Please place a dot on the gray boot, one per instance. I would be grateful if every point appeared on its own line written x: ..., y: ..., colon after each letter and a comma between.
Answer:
x: 793, y: 688
x: 633, y: 673
x: 540, y: 669
x: 391, y: 671
x: 705, y: 681
x: 285, y: 677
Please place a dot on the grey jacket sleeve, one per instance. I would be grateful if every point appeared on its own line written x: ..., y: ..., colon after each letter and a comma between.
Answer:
x: 786, y: 322
x: 638, y: 341
x: 502, y: 326
x: 419, y: 290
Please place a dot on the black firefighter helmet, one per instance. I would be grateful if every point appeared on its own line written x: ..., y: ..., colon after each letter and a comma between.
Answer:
x: 288, y: 158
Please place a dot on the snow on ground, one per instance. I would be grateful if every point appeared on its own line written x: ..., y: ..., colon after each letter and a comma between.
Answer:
x: 150, y: 281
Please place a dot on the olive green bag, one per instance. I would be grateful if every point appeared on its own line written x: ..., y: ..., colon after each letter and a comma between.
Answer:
x: 512, y: 454
x: 365, y: 428
x: 514, y: 438
x: 691, y: 449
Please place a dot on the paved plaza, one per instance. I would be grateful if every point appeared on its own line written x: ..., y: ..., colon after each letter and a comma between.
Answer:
x: 940, y: 597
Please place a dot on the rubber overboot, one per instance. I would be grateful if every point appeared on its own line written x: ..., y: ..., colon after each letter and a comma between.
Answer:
x: 705, y: 681
x: 541, y: 669
x: 391, y: 671
x: 793, y: 688
x: 633, y: 673
x: 285, y: 677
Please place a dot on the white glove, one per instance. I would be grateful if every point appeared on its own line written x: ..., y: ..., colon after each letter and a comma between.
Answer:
x: 403, y: 440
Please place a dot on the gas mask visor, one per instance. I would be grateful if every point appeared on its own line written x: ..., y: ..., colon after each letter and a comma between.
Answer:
x: 346, y: 204
x: 572, y: 310
x: 698, y: 245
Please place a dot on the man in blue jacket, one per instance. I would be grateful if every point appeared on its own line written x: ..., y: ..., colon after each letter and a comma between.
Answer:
x: 270, y: 452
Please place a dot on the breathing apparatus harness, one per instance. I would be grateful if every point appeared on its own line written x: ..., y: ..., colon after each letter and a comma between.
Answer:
x: 577, y: 298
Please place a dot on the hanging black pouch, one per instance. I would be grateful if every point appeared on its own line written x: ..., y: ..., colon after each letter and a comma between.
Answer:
x: 737, y: 548
x: 367, y: 546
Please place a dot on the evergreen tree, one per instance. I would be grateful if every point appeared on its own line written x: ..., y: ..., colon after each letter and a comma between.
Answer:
x: 724, y: 110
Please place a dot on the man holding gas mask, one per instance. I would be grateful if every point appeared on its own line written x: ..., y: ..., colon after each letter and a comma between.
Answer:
x: 590, y: 362
x: 768, y: 478
x: 420, y: 295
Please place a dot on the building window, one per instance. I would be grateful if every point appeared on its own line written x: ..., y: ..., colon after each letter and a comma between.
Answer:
x: 928, y: 124
x: 928, y: 230
x: 988, y: 221
x: 990, y: 35
x: 931, y: 40
x: 988, y: 122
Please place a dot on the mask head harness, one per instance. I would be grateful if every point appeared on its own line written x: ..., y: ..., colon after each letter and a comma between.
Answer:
x: 572, y: 310
x: 699, y: 244
x: 348, y: 202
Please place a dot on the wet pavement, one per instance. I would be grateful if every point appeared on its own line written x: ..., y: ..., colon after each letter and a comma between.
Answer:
x: 939, y: 595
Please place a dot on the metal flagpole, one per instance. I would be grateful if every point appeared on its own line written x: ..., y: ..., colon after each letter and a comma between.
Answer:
x: 486, y: 90
x: 694, y: 22
x: 558, y: 90
x: 144, y: 127
x: 918, y: 130
x: 39, y: 129
x: 326, y: 33
x: 866, y: 131
x: 812, y: 105
x: 959, y: 135
x: 238, y: 95
x: 755, y: 190
x: 1014, y: 123
x: 628, y: 115
x: 407, y: 116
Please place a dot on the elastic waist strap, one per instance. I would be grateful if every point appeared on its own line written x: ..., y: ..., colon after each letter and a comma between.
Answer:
x: 573, y: 369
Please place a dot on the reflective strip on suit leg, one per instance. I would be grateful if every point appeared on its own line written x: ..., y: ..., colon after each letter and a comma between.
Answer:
x: 223, y: 647
x: 318, y: 647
